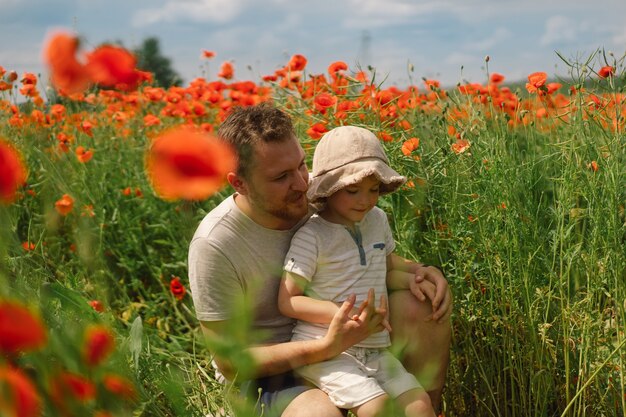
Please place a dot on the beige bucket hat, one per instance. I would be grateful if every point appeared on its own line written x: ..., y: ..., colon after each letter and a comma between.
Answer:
x: 346, y: 155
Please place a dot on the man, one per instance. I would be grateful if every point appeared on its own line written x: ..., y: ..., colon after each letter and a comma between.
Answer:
x: 238, y: 251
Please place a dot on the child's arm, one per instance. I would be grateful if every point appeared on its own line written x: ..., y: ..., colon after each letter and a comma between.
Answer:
x: 401, y: 275
x: 423, y: 281
x: 292, y: 302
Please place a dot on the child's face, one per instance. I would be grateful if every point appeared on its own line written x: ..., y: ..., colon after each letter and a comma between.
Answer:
x: 350, y: 204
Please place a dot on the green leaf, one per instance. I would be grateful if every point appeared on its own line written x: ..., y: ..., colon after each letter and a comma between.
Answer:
x: 136, y: 339
x: 69, y: 299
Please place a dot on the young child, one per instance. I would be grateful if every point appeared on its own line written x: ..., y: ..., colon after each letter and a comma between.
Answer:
x: 343, y: 249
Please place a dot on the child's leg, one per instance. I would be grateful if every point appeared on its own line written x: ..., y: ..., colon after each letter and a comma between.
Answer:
x: 416, y: 403
x: 372, y: 408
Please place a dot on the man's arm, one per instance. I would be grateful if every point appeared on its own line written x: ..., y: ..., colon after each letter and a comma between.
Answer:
x: 343, y: 332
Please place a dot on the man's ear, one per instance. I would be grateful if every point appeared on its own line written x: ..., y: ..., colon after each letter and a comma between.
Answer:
x: 237, y: 182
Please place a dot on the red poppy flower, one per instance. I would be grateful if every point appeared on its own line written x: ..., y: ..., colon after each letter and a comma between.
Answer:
x: 111, y: 66
x: 119, y: 386
x: 188, y: 163
x: 266, y: 78
x: 97, y: 305
x: 323, y: 101
x: 28, y: 246
x: 208, y: 54
x: 496, y: 78
x: 177, y: 288
x: 460, y: 146
x: 297, y: 63
x: 606, y: 71
x: 18, y: 395
x: 20, y: 329
x: 385, y: 136
x: 66, y: 72
x: 317, y: 130
x: 536, y: 80
x: 552, y: 87
x: 151, y: 120
x: 410, y: 145
x: 84, y: 155
x: 337, y: 68
x: 98, y: 345
x: 12, y: 172
x: 29, y: 78
x: 227, y: 71
x: 68, y: 385
x: 64, y: 205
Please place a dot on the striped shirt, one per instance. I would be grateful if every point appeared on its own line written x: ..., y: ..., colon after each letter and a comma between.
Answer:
x: 338, y: 262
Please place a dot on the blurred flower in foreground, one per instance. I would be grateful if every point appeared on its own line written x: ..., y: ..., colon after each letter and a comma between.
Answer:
x: 12, y: 172
x: 73, y: 387
x: 187, y: 163
x: 20, y: 329
x: 64, y: 205
x: 110, y: 65
x: 119, y: 386
x: 98, y: 345
x: 177, y: 288
x: 107, y: 66
x: 66, y: 72
x: 18, y: 395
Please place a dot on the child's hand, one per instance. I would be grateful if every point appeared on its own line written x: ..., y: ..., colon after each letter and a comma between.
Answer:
x: 421, y: 288
x: 384, y: 310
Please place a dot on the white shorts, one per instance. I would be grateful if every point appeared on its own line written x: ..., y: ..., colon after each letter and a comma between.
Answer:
x: 359, y: 375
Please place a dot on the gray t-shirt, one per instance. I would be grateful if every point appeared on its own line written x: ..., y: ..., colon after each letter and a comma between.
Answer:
x: 231, y: 257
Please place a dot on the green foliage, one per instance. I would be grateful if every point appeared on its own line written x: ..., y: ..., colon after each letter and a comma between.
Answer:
x: 532, y: 241
x: 150, y: 58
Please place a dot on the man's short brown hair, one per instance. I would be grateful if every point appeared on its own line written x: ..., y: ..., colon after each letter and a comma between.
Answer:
x: 246, y: 126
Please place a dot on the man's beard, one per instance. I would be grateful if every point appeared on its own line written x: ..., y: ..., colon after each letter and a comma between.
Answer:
x: 288, y: 210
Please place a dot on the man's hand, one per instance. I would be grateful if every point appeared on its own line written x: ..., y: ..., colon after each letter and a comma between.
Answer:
x: 349, y: 328
x: 441, y: 299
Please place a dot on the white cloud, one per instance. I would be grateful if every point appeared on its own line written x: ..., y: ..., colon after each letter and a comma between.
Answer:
x: 190, y: 10
x: 559, y: 29
x: 498, y: 37
x: 619, y: 38
x: 376, y: 13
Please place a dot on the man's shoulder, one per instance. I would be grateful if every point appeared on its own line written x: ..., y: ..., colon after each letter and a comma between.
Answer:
x: 213, y: 220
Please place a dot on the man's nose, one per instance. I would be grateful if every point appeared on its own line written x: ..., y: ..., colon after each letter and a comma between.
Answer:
x: 301, y: 182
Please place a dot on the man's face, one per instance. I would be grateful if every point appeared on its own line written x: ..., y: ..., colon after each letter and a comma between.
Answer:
x: 277, y: 183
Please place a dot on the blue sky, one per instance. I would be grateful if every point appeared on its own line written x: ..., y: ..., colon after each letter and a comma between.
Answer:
x: 433, y: 38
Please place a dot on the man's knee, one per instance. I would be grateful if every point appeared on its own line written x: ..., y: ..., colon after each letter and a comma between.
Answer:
x: 312, y: 403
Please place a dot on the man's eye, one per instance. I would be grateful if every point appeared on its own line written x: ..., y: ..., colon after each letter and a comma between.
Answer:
x: 351, y: 191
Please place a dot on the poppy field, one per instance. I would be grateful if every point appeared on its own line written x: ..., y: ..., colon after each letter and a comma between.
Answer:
x: 516, y: 190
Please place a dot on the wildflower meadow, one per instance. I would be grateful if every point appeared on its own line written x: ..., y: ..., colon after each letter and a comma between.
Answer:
x: 516, y: 190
